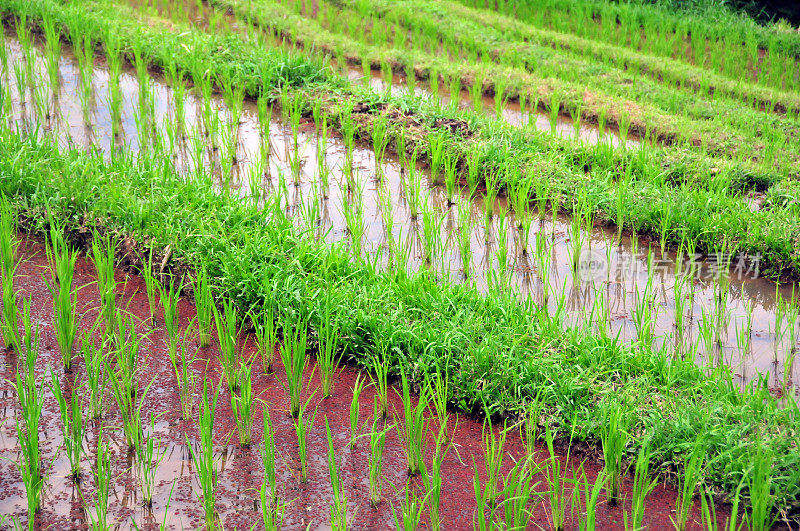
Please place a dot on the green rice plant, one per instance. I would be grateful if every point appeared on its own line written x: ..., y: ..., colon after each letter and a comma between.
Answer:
x: 339, y: 507
x: 103, y: 477
x: 204, y: 302
x: 266, y: 333
x: 377, y: 442
x: 412, y: 508
x: 554, y: 107
x: 152, y: 286
x: 413, y: 427
x: 492, y: 188
x: 169, y: 299
x: 125, y: 349
x: 130, y: 403
x: 94, y: 361
x: 502, y: 241
x: 431, y: 233
x: 268, y: 455
x: 476, y: 94
x: 295, y: 361
x: 643, y: 485
x: 353, y: 211
x: 9, y: 262
x: 590, y: 497
x: 380, y: 140
x: 227, y: 333
x: 432, y: 478
x: 557, y: 485
x: 327, y: 358
x: 65, y: 318
x: 760, y: 488
x: 614, y: 437
x: 355, y: 409
x: 103, y: 251
x: 437, y: 146
x: 439, y: 391
x: 379, y: 364
x: 149, y: 453
x: 302, y: 426
x: 203, y: 456
x: 72, y: 425
x: 450, y: 174
x: 242, y: 403
x: 412, y: 187
x: 185, y: 378
x: 493, y: 452
x: 272, y: 511
x: 31, y: 400
x: 687, y: 485
x: 518, y: 491
x: 530, y: 424
x: 464, y: 235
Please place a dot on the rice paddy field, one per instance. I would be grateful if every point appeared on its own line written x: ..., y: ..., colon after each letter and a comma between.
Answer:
x: 414, y: 264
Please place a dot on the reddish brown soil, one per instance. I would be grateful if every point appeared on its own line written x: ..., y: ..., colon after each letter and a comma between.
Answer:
x: 241, y: 469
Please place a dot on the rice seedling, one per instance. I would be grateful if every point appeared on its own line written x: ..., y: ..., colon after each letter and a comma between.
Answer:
x: 692, y: 475
x: 293, y: 356
x: 492, y: 188
x: 227, y: 333
x: 9, y: 262
x: 302, y: 425
x: 72, y: 425
x: 339, y: 506
x: 439, y: 391
x: 590, y: 497
x: 94, y: 360
x: 353, y: 211
x: 557, y: 485
x: 103, y: 251
x: 149, y: 453
x: 759, y: 485
x: 412, y: 508
x: 152, y: 286
x: 450, y: 174
x: 327, y: 358
x: 518, y: 491
x: 203, y: 456
x: 266, y: 333
x: 412, y: 187
x: 643, y: 485
x: 614, y: 437
x: 464, y: 235
x: 431, y: 233
x: 268, y: 455
x: 98, y: 518
x: 31, y: 400
x: 185, y: 378
x: 358, y: 387
x: 493, y: 452
x: 379, y: 364
x: 169, y: 299
x: 272, y: 511
x: 413, y: 426
x: 204, y: 303
x: 65, y: 319
x: 242, y: 403
x: 380, y: 140
x: 437, y: 153
x: 432, y: 478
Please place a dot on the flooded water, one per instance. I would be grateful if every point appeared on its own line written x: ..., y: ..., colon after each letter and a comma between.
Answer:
x: 177, y: 493
x: 722, y: 313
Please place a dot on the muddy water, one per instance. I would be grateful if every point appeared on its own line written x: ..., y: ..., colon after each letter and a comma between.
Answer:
x: 240, y: 470
x: 613, y: 291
